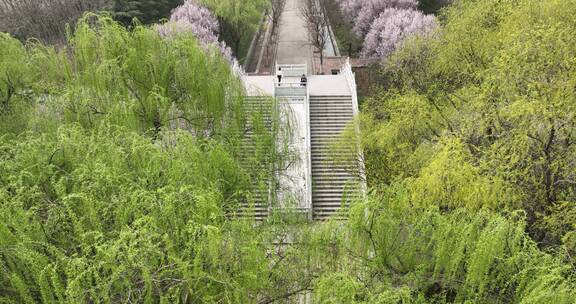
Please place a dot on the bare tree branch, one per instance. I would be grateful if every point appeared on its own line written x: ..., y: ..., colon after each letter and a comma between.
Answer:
x: 277, y: 9
x: 44, y: 19
x: 317, y: 24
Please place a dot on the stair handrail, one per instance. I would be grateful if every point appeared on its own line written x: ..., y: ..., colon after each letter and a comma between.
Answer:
x: 348, y: 74
x: 309, y: 154
x: 292, y: 70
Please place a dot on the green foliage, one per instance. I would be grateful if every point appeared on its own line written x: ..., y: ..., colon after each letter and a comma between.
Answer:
x: 469, y: 150
x: 14, y: 77
x: 123, y: 159
x: 451, y: 180
x: 146, y: 11
x: 482, y: 115
x: 418, y: 253
x: 134, y: 79
x: 393, y: 250
x: 239, y: 20
x: 348, y: 42
x: 336, y: 288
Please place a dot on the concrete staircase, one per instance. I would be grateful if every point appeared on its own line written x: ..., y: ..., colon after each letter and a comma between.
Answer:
x: 334, y: 169
x: 259, y: 106
x: 326, y: 173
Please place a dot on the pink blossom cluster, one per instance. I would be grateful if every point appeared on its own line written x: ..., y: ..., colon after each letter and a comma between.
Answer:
x: 385, y: 22
x: 194, y: 18
x: 371, y: 9
x: 350, y: 8
x: 391, y: 27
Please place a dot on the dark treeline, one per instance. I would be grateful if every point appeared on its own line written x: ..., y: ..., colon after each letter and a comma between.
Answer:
x: 44, y: 19
x: 47, y: 19
x: 146, y: 11
x: 433, y: 6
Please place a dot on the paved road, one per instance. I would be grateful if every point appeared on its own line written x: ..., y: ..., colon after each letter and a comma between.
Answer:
x: 293, y: 44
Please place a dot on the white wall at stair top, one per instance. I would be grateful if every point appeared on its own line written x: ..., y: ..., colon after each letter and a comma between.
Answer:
x: 259, y: 85
x: 328, y: 85
x: 317, y: 85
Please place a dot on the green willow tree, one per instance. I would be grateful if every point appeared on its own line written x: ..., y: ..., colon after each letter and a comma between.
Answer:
x: 482, y: 115
x: 123, y: 159
x: 399, y: 252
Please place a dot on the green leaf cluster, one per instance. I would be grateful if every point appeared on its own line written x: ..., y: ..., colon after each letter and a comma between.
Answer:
x: 402, y: 253
x: 482, y: 114
x: 123, y: 159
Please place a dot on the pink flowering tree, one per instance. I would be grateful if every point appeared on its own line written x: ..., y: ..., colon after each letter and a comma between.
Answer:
x: 392, y: 27
x: 353, y: 8
x: 194, y: 18
x: 371, y: 9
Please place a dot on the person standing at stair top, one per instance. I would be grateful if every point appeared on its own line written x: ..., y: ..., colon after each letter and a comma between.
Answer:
x: 303, y: 80
x: 279, y: 75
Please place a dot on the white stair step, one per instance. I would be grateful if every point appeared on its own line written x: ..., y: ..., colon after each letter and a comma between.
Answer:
x: 344, y: 118
x: 330, y: 108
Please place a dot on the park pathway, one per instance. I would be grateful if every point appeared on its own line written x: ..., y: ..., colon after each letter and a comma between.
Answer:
x: 293, y: 44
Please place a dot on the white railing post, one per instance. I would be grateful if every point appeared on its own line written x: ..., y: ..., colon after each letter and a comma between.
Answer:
x: 293, y: 70
x: 309, y: 155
